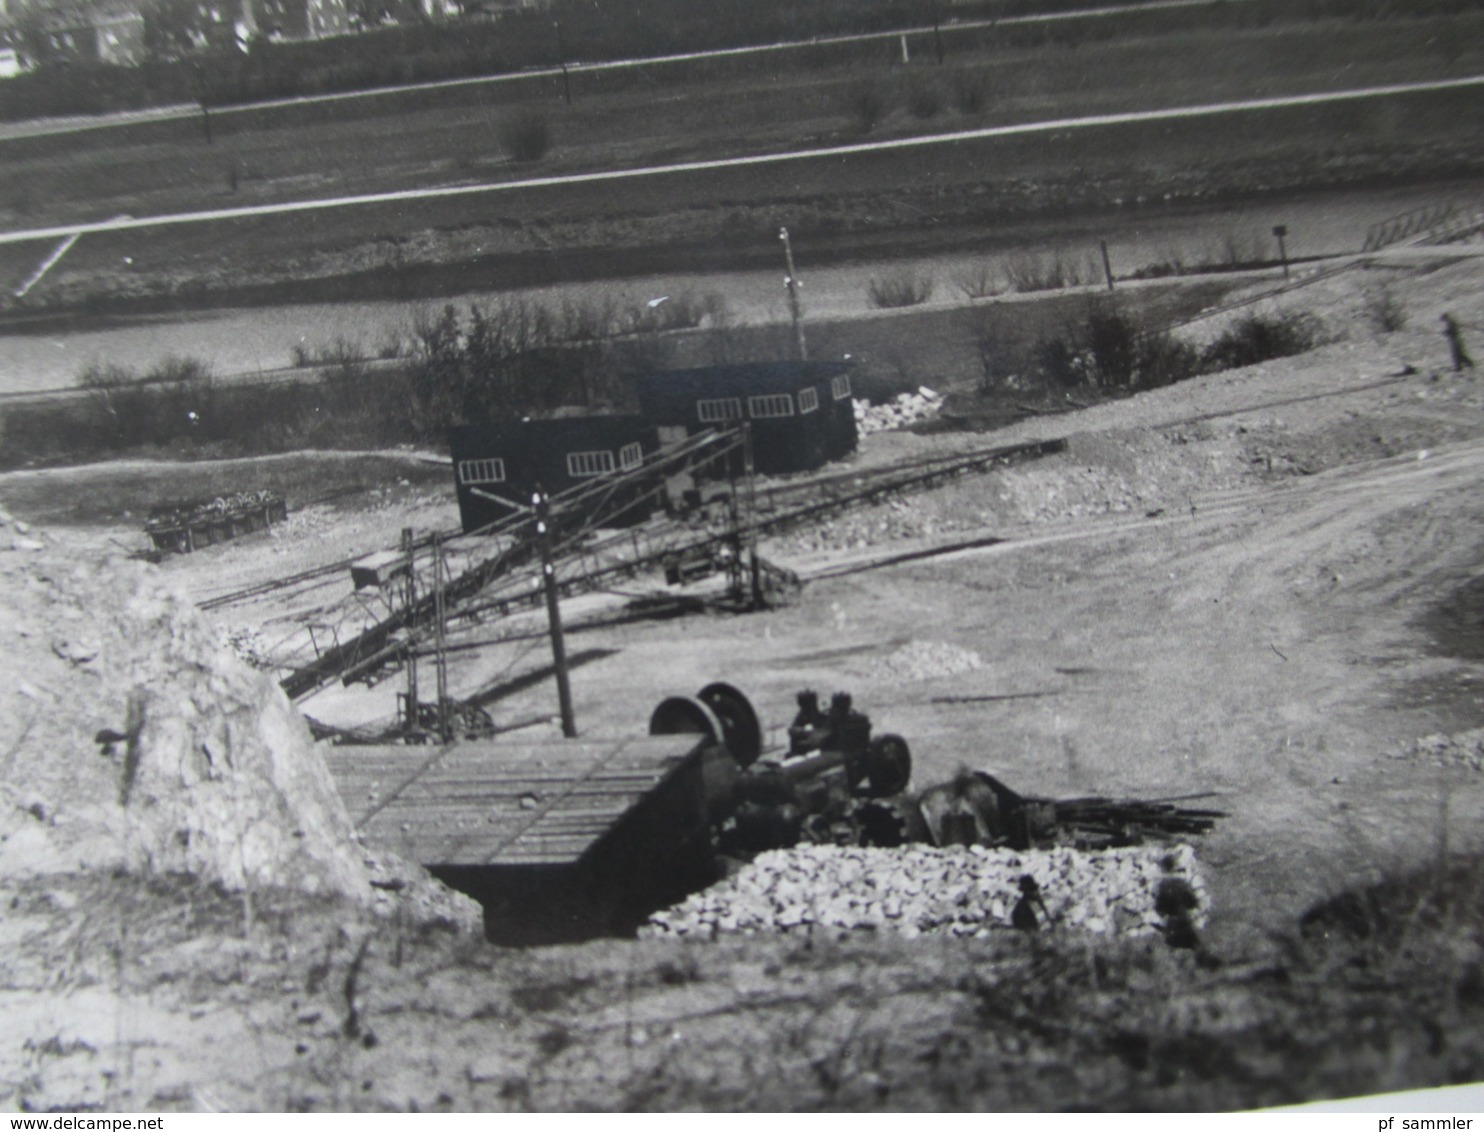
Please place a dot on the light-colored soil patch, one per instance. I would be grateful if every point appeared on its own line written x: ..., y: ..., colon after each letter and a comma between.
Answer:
x: 1223, y: 587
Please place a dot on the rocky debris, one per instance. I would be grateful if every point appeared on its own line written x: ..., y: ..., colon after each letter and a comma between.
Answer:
x: 925, y: 660
x: 137, y: 741
x: 233, y: 506
x: 903, y: 410
x: 23, y: 537
x: 957, y: 891
x: 251, y: 645
x: 893, y: 520
x: 1464, y: 748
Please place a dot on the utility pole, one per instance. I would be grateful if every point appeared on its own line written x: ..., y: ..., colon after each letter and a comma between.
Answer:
x: 1107, y: 263
x: 937, y: 37
x: 439, y: 643
x: 792, y: 283
x: 751, y: 517
x: 412, y: 705
x: 562, y: 55
x: 1281, y: 231
x: 553, y: 611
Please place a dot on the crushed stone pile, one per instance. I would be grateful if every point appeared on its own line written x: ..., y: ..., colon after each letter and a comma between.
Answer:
x: 905, y: 409
x: 924, y: 660
x: 233, y: 506
x: 957, y: 891
x: 891, y: 521
x: 1465, y: 749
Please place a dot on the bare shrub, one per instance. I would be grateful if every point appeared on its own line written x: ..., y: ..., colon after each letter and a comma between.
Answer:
x: 903, y: 289
x: 525, y: 136
x: 338, y: 351
x: 999, y: 364
x: 868, y: 104
x: 1059, y: 362
x: 1258, y: 338
x: 392, y: 344
x: 588, y: 320
x: 1053, y: 272
x: 170, y: 401
x: 176, y: 370
x: 1162, y: 269
x: 1112, y: 343
x: 1123, y: 357
x: 1384, y: 311
x: 1240, y: 251
x: 106, y: 375
x: 1164, y: 359
x: 977, y: 282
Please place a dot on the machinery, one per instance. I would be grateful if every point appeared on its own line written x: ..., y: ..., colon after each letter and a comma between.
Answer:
x: 833, y: 784
x: 836, y: 783
x: 180, y: 528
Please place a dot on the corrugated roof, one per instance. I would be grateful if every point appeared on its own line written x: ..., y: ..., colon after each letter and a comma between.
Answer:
x: 498, y: 802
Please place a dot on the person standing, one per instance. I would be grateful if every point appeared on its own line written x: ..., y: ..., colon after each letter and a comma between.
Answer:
x: 1461, y: 359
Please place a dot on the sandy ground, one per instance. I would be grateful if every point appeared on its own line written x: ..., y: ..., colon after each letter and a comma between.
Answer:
x: 1221, y: 586
x: 1256, y: 584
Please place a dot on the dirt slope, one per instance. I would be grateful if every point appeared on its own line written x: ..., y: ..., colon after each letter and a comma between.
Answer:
x: 1260, y: 583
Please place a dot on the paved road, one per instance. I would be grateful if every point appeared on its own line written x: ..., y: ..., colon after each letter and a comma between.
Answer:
x: 1093, y: 121
x: 48, y: 127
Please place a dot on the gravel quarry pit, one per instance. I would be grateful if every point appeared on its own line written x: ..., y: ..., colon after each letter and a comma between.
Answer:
x: 1232, y: 585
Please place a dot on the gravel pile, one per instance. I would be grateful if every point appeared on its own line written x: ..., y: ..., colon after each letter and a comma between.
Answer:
x: 957, y: 891
x: 1465, y: 749
x: 892, y: 521
x: 906, y: 409
x: 925, y: 660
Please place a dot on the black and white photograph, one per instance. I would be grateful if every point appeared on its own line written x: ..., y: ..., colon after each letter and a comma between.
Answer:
x: 873, y: 556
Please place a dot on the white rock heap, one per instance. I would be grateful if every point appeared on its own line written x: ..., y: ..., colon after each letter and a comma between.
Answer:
x: 905, y: 409
x: 956, y: 891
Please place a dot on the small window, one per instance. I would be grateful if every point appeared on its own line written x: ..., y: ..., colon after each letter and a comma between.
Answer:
x: 770, y: 405
x: 631, y: 456
x: 840, y: 386
x: 808, y: 400
x: 581, y: 465
x: 721, y: 409
x: 482, y: 471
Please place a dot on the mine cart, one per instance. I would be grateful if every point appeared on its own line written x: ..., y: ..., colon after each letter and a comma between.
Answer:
x: 180, y: 528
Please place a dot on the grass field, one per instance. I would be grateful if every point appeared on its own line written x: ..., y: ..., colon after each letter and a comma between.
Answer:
x: 723, y: 217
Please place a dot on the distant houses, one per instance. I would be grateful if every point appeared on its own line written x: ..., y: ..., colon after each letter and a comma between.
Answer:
x: 89, y: 33
x: 43, y: 32
x: 301, y: 19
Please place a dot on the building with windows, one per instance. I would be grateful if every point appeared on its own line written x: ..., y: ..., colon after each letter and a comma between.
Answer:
x: 92, y: 33
x: 510, y: 459
x: 300, y: 19
x: 800, y: 412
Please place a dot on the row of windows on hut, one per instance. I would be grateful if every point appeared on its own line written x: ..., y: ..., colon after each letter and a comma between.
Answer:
x: 800, y: 413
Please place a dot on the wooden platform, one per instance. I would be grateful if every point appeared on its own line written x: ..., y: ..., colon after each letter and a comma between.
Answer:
x: 512, y: 803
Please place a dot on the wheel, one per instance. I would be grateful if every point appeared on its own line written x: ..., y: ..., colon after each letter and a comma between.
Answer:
x: 741, y: 730
x: 888, y: 766
x: 685, y: 715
